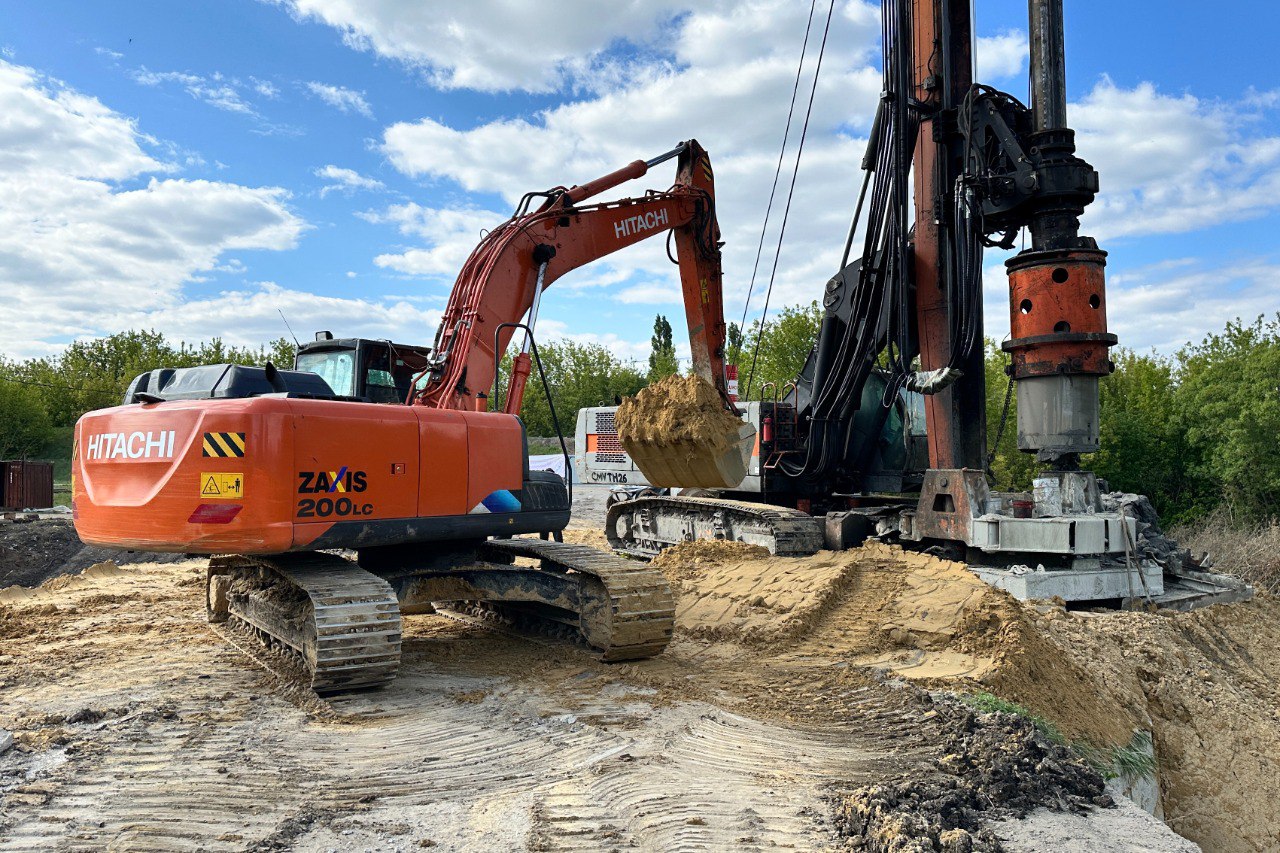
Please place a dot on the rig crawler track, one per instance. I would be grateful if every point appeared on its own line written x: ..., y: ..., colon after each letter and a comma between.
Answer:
x: 642, y: 527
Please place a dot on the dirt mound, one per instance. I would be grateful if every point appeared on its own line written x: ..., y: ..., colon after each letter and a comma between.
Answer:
x: 717, y: 743
x: 993, y: 766
x: 742, y: 594
x: 689, y: 559
x: 1204, y: 684
x: 17, y: 624
x: 876, y: 606
x: 33, y: 552
x: 87, y: 578
x: 677, y: 408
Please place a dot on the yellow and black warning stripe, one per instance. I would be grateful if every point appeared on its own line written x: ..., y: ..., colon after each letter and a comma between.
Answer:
x: 706, y: 168
x: 223, y: 444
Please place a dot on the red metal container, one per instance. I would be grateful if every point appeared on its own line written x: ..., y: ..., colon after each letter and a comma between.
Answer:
x: 26, y: 485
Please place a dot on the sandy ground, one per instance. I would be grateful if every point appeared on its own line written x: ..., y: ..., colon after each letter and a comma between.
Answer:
x: 138, y: 728
x: 1203, y: 684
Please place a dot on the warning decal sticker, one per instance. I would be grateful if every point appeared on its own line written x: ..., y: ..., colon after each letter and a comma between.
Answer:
x: 220, y: 484
x: 223, y: 444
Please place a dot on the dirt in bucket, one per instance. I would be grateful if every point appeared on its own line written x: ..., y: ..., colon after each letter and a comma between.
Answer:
x: 679, y: 433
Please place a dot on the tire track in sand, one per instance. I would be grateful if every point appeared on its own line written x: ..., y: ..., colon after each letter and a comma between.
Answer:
x: 198, y: 751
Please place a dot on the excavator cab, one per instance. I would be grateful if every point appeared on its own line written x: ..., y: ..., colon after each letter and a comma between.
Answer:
x: 363, y: 369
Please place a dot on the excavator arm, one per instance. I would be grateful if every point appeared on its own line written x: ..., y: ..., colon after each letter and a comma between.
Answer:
x: 504, y: 278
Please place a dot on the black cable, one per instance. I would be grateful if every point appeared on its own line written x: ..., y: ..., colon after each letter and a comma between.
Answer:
x: 782, y: 231
x: 884, y: 274
x: 857, y: 214
x: 795, y: 89
x: 555, y: 421
x: 1004, y: 416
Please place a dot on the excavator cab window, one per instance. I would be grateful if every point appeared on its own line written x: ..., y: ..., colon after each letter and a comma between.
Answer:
x: 335, y: 366
x: 376, y: 371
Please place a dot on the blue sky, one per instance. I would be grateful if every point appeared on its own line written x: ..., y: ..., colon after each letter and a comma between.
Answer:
x: 197, y: 166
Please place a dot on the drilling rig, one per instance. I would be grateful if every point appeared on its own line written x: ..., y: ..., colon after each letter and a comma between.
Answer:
x: 903, y: 330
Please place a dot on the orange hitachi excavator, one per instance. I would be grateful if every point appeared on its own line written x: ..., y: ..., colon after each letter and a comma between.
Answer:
x: 272, y: 470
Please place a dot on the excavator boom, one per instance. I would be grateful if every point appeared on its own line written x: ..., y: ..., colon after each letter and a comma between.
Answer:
x: 502, y: 280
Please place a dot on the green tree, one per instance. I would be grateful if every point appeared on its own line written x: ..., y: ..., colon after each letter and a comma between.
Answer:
x: 579, y: 375
x: 24, y: 425
x: 1228, y: 406
x: 1144, y: 449
x: 94, y: 374
x: 1011, y: 469
x: 733, y: 344
x: 783, y: 348
x: 662, y: 358
x: 280, y: 352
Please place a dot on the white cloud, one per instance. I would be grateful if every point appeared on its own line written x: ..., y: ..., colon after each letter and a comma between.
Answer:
x: 1173, y: 164
x: 339, y: 97
x: 1168, y: 304
x: 1162, y: 305
x: 75, y: 247
x: 45, y: 127
x: 247, y: 317
x: 491, y: 46
x: 1003, y: 56
x: 451, y: 235
x: 651, y: 294
x: 728, y: 83
x: 265, y: 88
x: 722, y: 72
x: 636, y: 351
x: 345, y: 180
x: 215, y: 90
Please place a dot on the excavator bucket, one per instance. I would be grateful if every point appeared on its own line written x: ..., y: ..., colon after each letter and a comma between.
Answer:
x: 680, y: 435
x: 691, y: 464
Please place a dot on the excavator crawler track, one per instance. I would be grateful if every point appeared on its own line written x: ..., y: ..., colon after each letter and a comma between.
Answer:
x: 642, y: 527
x: 338, y: 626
x: 339, y: 622
x: 625, y: 609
